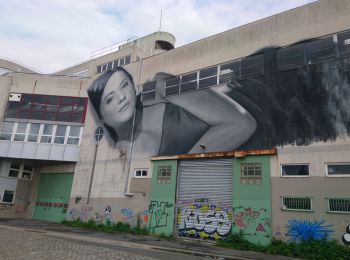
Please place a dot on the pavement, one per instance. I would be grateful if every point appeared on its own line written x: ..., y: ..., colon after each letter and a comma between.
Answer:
x: 21, y: 238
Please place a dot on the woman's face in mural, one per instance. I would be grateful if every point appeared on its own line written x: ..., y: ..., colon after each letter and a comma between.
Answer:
x: 118, y: 100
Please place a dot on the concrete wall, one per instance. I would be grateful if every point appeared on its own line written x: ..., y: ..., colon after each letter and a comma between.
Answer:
x: 318, y: 186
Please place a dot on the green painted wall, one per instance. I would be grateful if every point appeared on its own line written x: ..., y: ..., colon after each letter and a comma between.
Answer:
x: 252, y: 202
x: 162, y: 202
x: 53, y: 196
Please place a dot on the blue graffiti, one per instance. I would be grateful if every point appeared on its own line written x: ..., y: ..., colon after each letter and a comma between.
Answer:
x: 301, y: 230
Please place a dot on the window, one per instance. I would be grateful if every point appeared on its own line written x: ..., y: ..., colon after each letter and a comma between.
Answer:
x: 74, y: 135
x: 149, y: 91
x: 46, y: 136
x: 141, y: 173
x: 251, y: 173
x: 252, y: 66
x: 338, y: 169
x: 21, y: 170
x: 229, y: 72
x: 172, y: 86
x: 164, y: 174
x: 340, y: 205
x: 295, y: 170
x: 8, y: 196
x: 6, y: 130
x: 291, y: 57
x: 44, y: 133
x: 15, y: 168
x: 296, y: 203
x: 189, y: 82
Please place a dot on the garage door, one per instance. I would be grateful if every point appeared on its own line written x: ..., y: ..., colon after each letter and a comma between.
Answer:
x: 53, y: 196
x: 204, y: 198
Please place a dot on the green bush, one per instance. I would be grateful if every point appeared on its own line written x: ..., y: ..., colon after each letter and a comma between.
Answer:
x: 309, y: 249
x: 116, y: 227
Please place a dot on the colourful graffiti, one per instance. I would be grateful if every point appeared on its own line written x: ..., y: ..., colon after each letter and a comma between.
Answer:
x: 84, y: 214
x: 346, y: 236
x: 159, y: 212
x: 108, y: 215
x: 204, y: 220
x: 251, y: 221
x: 127, y: 213
x: 301, y: 230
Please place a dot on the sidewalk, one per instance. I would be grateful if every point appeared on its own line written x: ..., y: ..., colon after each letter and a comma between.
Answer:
x: 191, y: 247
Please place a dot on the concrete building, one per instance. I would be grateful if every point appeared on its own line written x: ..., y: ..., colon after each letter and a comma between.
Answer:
x: 246, y: 130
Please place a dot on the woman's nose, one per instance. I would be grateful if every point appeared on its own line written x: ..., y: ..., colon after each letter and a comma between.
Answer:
x: 121, y: 97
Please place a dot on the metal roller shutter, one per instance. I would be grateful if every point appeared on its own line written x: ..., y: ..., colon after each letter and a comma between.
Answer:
x: 204, y: 199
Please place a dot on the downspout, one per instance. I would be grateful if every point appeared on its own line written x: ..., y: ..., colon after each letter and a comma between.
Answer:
x: 126, y: 187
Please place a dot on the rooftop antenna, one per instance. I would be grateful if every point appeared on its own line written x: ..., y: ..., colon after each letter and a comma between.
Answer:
x: 160, y: 20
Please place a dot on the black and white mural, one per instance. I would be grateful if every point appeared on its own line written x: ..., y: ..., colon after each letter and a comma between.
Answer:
x: 295, y: 95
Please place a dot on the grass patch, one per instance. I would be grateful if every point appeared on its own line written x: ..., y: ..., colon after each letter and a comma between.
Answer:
x: 309, y: 249
x: 117, y: 227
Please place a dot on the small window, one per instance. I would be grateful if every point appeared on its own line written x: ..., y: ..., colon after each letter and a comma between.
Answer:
x: 172, y: 85
x: 339, y: 205
x: 74, y: 135
x: 164, y: 174
x: 14, y: 170
x: 127, y: 60
x: 141, y: 173
x: 251, y: 173
x: 20, y: 132
x: 60, y: 134
x: 295, y: 170
x: 33, y: 133
x: 27, y: 171
x: 149, y: 91
x: 46, y: 137
x: 6, y: 130
x: 338, y: 169
x: 8, y: 196
x: 297, y: 203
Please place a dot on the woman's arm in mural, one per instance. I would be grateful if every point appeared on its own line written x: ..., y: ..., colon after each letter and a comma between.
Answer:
x: 231, y: 125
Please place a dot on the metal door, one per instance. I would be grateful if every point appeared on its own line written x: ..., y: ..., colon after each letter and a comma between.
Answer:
x: 53, y: 196
x: 204, y: 198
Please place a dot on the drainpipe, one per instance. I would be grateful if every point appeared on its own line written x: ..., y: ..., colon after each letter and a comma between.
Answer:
x: 126, y: 187
x: 92, y: 174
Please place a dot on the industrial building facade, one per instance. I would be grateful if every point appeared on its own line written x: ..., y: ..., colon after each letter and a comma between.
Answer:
x: 244, y: 131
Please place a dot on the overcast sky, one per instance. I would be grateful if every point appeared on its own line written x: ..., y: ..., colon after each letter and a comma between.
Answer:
x: 50, y: 35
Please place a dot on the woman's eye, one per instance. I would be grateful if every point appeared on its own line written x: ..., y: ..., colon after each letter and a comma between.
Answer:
x: 109, y: 100
x: 125, y: 85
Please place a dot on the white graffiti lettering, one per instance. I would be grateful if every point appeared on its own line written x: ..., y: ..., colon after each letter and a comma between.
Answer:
x: 209, y: 221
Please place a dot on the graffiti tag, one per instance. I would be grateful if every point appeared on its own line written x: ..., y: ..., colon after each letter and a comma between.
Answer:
x: 159, y: 214
x: 346, y: 236
x: 301, y: 230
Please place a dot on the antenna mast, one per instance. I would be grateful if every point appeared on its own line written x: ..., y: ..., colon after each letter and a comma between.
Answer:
x: 160, y: 20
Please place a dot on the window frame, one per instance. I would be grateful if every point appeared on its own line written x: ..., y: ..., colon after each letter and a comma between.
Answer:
x: 253, y: 177
x: 294, y: 176
x: 336, y: 175
x: 284, y: 208
x: 337, y: 212
x: 141, y: 170
x: 163, y: 179
x: 13, y: 199
x: 21, y: 170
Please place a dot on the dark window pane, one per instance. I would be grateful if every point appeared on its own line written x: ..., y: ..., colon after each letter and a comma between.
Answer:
x: 63, y: 116
x: 98, y: 68
x: 172, y: 81
x: 172, y: 90
x: 13, y: 173
x: 339, y: 169
x: 67, y: 100
x: 77, y: 117
x: 48, y: 129
x: 61, y: 130
x: 45, y: 139
x: 203, y: 83
x: 15, y: 165
x: 149, y: 86
x: 7, y: 127
x: 109, y: 65
x: 65, y: 108
x: 50, y: 116
x: 148, y: 96
x: 19, y: 138
x: 21, y: 127
x: 36, y: 114
x: 8, y: 196
x: 208, y: 72
x: 59, y: 140
x: 74, y: 131
x: 291, y: 57
x: 127, y: 60
x: 28, y: 167
x: 189, y: 77
x: 73, y: 141
x: 320, y: 50
x: 252, y: 66
x: 122, y: 62
x: 295, y: 170
x: 24, y: 114
x: 32, y: 138
x: 53, y: 100
x: 344, y: 44
x: 34, y: 128
x: 5, y: 136
x: 12, y: 108
x: 188, y: 86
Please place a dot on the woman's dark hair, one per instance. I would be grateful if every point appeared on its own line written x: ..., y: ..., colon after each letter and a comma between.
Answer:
x: 95, y: 92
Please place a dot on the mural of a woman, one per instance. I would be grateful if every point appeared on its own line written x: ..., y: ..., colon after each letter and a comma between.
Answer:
x: 175, y: 125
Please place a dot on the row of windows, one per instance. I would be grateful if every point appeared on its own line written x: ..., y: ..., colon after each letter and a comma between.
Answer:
x: 45, y: 107
x: 114, y: 64
x: 231, y: 71
x: 303, y: 170
x: 335, y: 205
x: 40, y: 133
x: 293, y: 56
